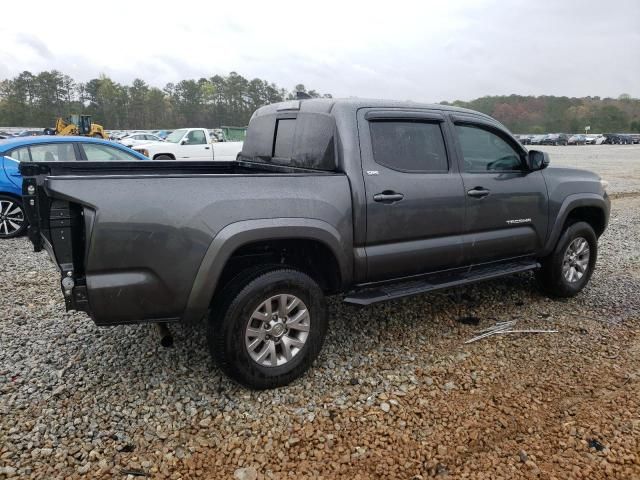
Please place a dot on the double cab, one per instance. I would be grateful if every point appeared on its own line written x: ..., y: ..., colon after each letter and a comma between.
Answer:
x: 369, y: 199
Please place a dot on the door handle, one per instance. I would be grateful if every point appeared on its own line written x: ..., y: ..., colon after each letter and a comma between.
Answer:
x: 206, y: 148
x: 478, y: 192
x: 388, y: 197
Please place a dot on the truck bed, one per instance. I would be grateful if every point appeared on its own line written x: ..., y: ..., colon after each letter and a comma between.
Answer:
x: 135, y: 234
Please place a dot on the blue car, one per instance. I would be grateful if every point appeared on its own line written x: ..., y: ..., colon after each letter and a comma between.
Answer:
x: 45, y: 149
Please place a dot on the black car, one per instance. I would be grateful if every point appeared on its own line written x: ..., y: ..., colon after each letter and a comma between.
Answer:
x: 625, y: 139
x: 524, y: 139
x: 617, y: 139
x: 556, y: 139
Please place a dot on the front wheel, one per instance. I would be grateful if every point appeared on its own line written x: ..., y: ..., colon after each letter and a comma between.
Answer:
x: 163, y: 157
x: 13, y: 221
x: 567, y: 270
x: 267, y: 327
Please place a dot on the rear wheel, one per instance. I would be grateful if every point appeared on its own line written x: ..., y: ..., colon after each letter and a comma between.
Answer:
x: 568, y: 269
x: 267, y: 326
x: 13, y: 221
x: 163, y: 157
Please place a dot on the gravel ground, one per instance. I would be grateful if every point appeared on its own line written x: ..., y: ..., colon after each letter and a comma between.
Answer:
x: 395, y: 393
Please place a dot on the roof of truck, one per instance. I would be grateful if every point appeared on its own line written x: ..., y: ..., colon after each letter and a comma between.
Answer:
x: 326, y: 105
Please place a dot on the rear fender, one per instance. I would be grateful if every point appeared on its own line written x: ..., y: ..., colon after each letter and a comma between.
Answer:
x: 235, y: 235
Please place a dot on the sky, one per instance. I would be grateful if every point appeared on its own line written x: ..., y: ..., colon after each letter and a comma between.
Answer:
x: 405, y: 50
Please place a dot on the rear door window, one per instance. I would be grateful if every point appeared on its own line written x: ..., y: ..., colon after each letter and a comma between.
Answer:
x: 409, y: 146
x: 95, y: 152
x: 53, y: 152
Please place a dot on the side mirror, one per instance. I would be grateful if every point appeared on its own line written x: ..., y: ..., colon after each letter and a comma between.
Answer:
x: 537, y: 160
x: 184, y: 142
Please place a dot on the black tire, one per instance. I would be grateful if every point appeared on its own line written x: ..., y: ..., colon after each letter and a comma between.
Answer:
x: 231, y: 313
x: 550, y: 277
x: 163, y: 157
x: 8, y: 205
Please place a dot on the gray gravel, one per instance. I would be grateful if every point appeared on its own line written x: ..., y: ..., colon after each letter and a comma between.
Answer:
x: 394, y: 394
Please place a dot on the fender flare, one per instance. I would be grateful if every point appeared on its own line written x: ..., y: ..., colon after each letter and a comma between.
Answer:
x: 237, y: 234
x: 573, y: 201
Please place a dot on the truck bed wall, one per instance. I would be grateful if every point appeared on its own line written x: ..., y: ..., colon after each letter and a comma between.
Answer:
x: 149, y: 234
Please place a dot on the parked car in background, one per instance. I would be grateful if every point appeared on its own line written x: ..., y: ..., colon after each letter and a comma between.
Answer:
x: 117, y: 135
x: 190, y: 144
x: 555, y: 139
x: 625, y: 139
x: 161, y: 133
x: 45, y: 149
x: 635, y: 137
x: 139, y: 139
x: 578, y: 139
x: 524, y: 139
x: 30, y: 133
x: 537, y: 139
x: 611, y: 139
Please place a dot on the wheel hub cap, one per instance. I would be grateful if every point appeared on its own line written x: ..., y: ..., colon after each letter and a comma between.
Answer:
x: 277, y: 330
x: 576, y: 260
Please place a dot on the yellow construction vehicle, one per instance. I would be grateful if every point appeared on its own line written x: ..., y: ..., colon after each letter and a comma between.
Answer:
x: 79, y: 125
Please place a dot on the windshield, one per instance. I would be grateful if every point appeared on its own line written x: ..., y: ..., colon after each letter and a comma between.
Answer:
x: 176, y: 136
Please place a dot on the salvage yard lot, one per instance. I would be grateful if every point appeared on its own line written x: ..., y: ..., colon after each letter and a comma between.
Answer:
x: 395, y: 394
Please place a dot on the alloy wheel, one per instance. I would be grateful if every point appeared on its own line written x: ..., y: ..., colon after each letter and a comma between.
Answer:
x: 576, y: 260
x: 277, y: 330
x: 11, y: 218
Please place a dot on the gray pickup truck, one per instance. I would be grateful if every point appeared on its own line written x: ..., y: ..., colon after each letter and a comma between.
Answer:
x: 372, y: 199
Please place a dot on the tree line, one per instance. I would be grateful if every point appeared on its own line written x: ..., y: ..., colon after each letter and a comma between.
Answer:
x: 38, y: 99
x: 548, y: 114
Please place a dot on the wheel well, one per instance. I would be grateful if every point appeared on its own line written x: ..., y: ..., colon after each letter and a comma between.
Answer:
x: 310, y: 256
x: 594, y: 216
x: 164, y: 154
x: 12, y: 195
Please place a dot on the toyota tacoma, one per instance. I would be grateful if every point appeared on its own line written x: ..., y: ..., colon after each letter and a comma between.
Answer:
x: 371, y: 199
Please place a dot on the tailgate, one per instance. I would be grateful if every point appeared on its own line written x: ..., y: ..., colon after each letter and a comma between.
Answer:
x: 57, y: 226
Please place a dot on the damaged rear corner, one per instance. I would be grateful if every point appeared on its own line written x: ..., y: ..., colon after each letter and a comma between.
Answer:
x: 58, y: 226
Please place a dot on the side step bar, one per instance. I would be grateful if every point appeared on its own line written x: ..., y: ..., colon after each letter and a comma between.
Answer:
x: 373, y: 294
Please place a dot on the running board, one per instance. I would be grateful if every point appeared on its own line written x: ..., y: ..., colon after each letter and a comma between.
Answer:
x: 438, y: 281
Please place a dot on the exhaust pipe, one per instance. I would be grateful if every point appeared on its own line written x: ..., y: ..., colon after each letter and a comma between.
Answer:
x: 166, y: 339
